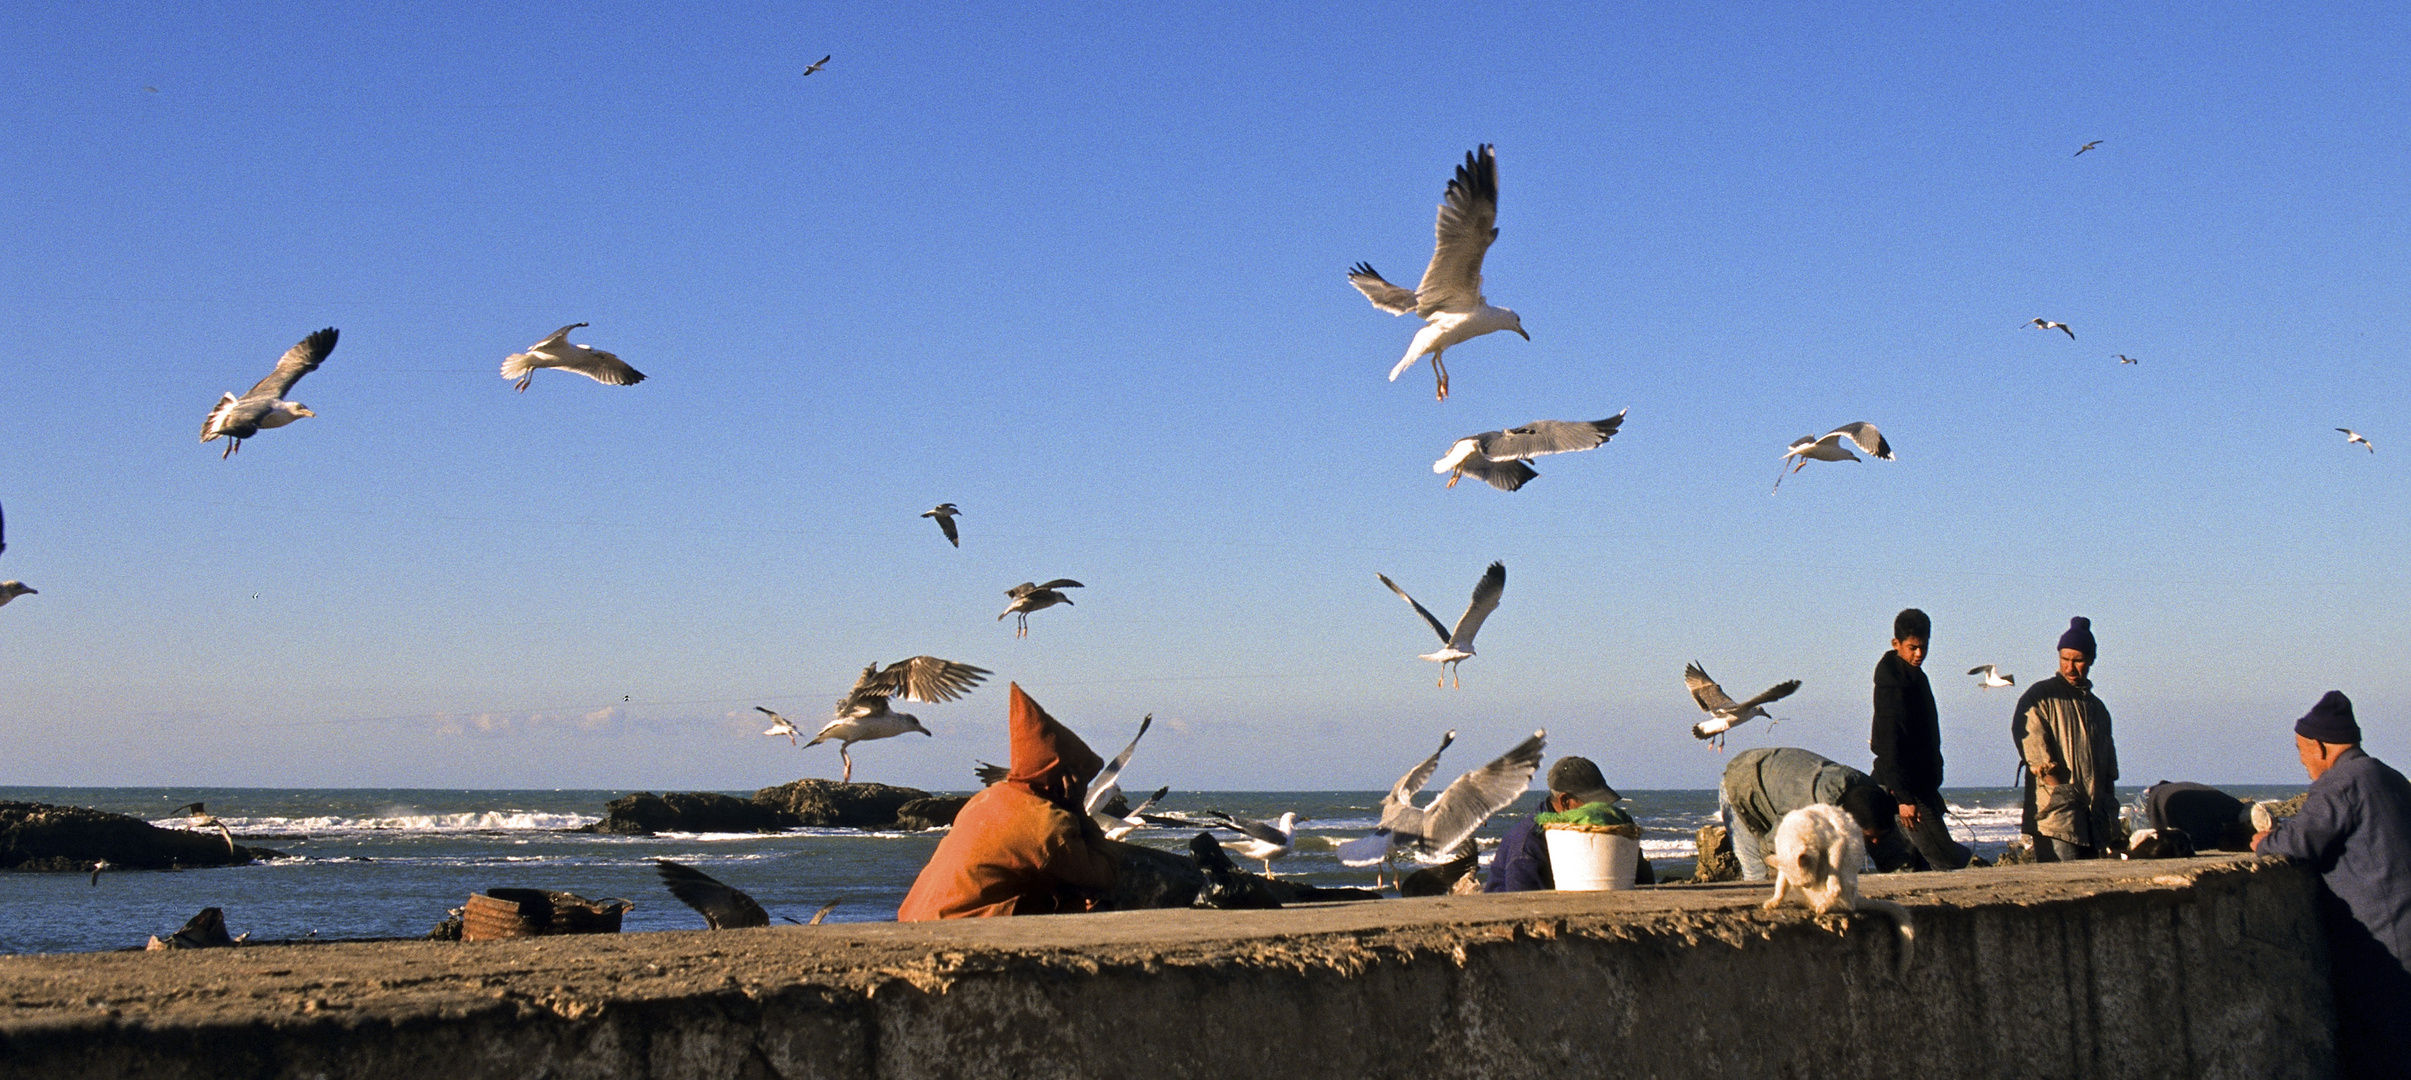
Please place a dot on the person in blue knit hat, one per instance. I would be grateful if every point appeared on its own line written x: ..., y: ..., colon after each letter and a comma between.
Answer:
x: 2354, y: 830
x: 2063, y: 738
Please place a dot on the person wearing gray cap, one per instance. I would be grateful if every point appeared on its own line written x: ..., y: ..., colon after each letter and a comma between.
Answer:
x: 2355, y: 831
x: 1522, y: 862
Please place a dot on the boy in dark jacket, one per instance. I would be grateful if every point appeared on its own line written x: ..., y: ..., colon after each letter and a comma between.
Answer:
x: 1907, y: 741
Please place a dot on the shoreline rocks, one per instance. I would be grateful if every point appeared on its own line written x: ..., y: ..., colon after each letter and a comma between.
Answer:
x: 802, y: 804
x: 43, y: 837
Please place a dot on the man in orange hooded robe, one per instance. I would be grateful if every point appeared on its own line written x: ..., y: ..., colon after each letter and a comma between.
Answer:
x: 1024, y: 846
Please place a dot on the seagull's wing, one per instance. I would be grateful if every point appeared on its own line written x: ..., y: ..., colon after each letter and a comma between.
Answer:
x: 187, y: 810
x: 1980, y: 669
x: 601, y: 366
x: 823, y: 913
x: 1550, y: 437
x: 722, y: 906
x: 1387, y: 297
x: 1468, y: 222
x: 1469, y: 800
x: 1134, y: 814
x: 1062, y: 583
x: 1402, y: 794
x: 989, y: 774
x: 556, y: 339
x: 1261, y: 830
x: 1867, y: 438
x: 1104, y: 786
x: 946, y: 525
x: 3, y: 532
x: 302, y: 359
x: 1503, y: 475
x: 921, y: 678
x: 1366, y: 850
x: 1428, y: 617
x: 1777, y: 692
x: 1486, y: 593
x: 1022, y: 590
x: 1704, y: 690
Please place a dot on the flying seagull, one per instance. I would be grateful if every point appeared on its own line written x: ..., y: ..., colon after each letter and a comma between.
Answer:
x: 201, y: 818
x: 98, y: 866
x: 1029, y: 597
x: 555, y: 351
x: 945, y: 513
x: 264, y: 406
x: 2125, y: 359
x: 1264, y: 841
x: 1104, y: 787
x: 1723, y: 713
x: 863, y: 713
x: 1456, y: 645
x: 1134, y: 820
x: 2081, y: 149
x: 819, y: 64
x: 2350, y: 437
x: 1450, y: 297
x: 3, y: 532
x: 1497, y: 457
x: 1992, y: 676
x: 1430, y: 833
x: 722, y: 906
x: 10, y: 590
x: 2047, y: 324
x: 1828, y: 447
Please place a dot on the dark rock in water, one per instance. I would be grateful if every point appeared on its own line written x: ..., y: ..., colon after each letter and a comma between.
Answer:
x: 1716, y: 861
x: 935, y: 812
x: 1227, y: 886
x: 1152, y: 878
x: 39, y: 836
x: 829, y: 804
x: 645, y: 813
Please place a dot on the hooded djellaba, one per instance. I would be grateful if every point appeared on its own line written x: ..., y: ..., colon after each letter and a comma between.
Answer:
x: 1023, y: 846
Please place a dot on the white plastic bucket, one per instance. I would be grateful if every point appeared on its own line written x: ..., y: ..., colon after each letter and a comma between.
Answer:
x: 1586, y: 860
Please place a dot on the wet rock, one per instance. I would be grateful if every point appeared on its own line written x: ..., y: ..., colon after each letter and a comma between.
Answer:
x: 2020, y: 851
x: 935, y: 812
x: 1716, y: 861
x: 829, y: 804
x: 40, y: 836
x: 1153, y: 878
x: 645, y: 813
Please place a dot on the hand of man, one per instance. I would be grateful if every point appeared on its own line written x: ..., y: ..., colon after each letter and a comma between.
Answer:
x: 1908, y: 814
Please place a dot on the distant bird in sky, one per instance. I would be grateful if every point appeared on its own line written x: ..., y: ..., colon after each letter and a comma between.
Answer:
x: 555, y: 351
x: 819, y: 64
x: 150, y: 89
x: 1497, y: 457
x: 1264, y: 841
x: 3, y: 532
x: 863, y: 714
x: 1828, y: 447
x: 10, y: 590
x: 2046, y: 324
x: 1992, y: 676
x: 2125, y: 359
x: 1725, y: 714
x: 945, y: 513
x: 2350, y: 437
x: 2081, y: 149
x: 723, y: 906
x: 264, y: 406
x: 1450, y: 298
x: 1030, y: 596
x: 1429, y: 833
x: 1457, y: 645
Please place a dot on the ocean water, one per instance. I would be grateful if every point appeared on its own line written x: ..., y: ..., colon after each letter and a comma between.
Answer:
x: 371, y: 863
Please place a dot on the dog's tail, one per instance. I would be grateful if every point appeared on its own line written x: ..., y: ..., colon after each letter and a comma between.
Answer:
x: 1900, y: 916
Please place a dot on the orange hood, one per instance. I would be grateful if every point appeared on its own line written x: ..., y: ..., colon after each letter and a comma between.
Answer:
x: 1048, y: 760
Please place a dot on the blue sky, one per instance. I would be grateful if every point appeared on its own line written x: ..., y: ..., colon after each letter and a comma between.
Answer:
x: 1080, y: 269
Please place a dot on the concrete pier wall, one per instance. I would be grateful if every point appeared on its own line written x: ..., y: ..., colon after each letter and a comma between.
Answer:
x: 2196, y: 969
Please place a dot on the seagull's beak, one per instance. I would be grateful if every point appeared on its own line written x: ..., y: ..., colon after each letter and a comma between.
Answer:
x: 302, y: 410
x: 1520, y: 330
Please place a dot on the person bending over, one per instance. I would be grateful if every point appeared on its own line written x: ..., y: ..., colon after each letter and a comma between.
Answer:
x: 1760, y: 786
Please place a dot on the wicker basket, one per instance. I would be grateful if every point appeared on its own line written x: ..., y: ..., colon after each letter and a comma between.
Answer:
x: 510, y: 913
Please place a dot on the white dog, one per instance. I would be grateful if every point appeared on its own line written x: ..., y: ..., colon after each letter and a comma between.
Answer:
x: 1819, y: 850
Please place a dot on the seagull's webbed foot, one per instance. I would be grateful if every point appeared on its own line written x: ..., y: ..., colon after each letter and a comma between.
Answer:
x: 1442, y: 369
x: 231, y: 446
x: 531, y: 377
x: 1453, y: 477
x: 846, y: 777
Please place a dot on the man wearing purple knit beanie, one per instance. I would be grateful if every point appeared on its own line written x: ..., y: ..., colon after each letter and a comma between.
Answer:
x: 2063, y: 738
x: 2354, y: 830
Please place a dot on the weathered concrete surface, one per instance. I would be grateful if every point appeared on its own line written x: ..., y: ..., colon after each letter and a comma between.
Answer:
x: 2204, y: 968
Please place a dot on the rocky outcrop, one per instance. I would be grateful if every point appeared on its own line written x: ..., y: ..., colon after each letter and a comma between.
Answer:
x: 645, y: 813
x: 39, y: 836
x: 814, y: 803
x: 829, y: 804
x: 935, y: 812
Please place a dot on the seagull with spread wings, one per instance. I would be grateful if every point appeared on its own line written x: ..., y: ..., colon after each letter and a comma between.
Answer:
x: 555, y: 351
x: 2351, y: 437
x: 264, y: 405
x: 945, y: 513
x: 1263, y: 841
x: 863, y: 714
x: 1724, y: 713
x: 1450, y: 298
x: 1030, y: 596
x: 1992, y: 676
x: 819, y: 64
x: 1828, y: 447
x: 723, y: 906
x: 2046, y: 324
x: 1107, y: 784
x: 1430, y: 833
x: 12, y: 589
x: 200, y: 818
x: 2080, y: 151
x: 1497, y: 458
x: 1456, y: 645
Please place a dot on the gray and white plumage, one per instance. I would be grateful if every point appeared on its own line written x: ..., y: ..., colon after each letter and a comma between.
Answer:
x: 723, y: 906
x: 1031, y: 596
x: 945, y: 513
x: 1497, y: 458
x: 1724, y: 713
x: 555, y: 351
x: 1119, y: 827
x: 1457, y: 644
x: 1429, y: 833
x: 10, y: 590
x: 863, y: 714
x: 820, y: 63
x: 2351, y: 437
x: 264, y: 405
x: 1107, y: 784
x: 1828, y: 447
x: 2125, y: 359
x: 2081, y: 149
x: 1263, y: 841
x: 1992, y: 676
x: 1449, y: 299
x: 2046, y: 324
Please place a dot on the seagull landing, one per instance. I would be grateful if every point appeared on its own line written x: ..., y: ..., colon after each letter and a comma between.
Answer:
x: 1828, y: 447
x: 264, y: 405
x: 1992, y: 676
x: 2081, y: 149
x: 1430, y: 833
x: 1457, y: 645
x: 2350, y: 437
x: 722, y: 906
x: 816, y: 66
x: 945, y: 513
x: 863, y: 714
x: 1724, y: 713
x: 1450, y: 297
x: 556, y: 352
x: 1497, y: 457
x: 1030, y: 596
x: 2046, y: 324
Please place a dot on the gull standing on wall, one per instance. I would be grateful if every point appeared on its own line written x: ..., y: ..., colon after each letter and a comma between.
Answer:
x: 1457, y: 645
x: 264, y: 405
x: 1450, y: 297
x: 555, y: 351
x: 1724, y: 713
x: 1828, y: 447
x: 1263, y: 841
x: 1030, y: 596
x: 1430, y: 833
x: 1497, y: 457
x: 863, y: 714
